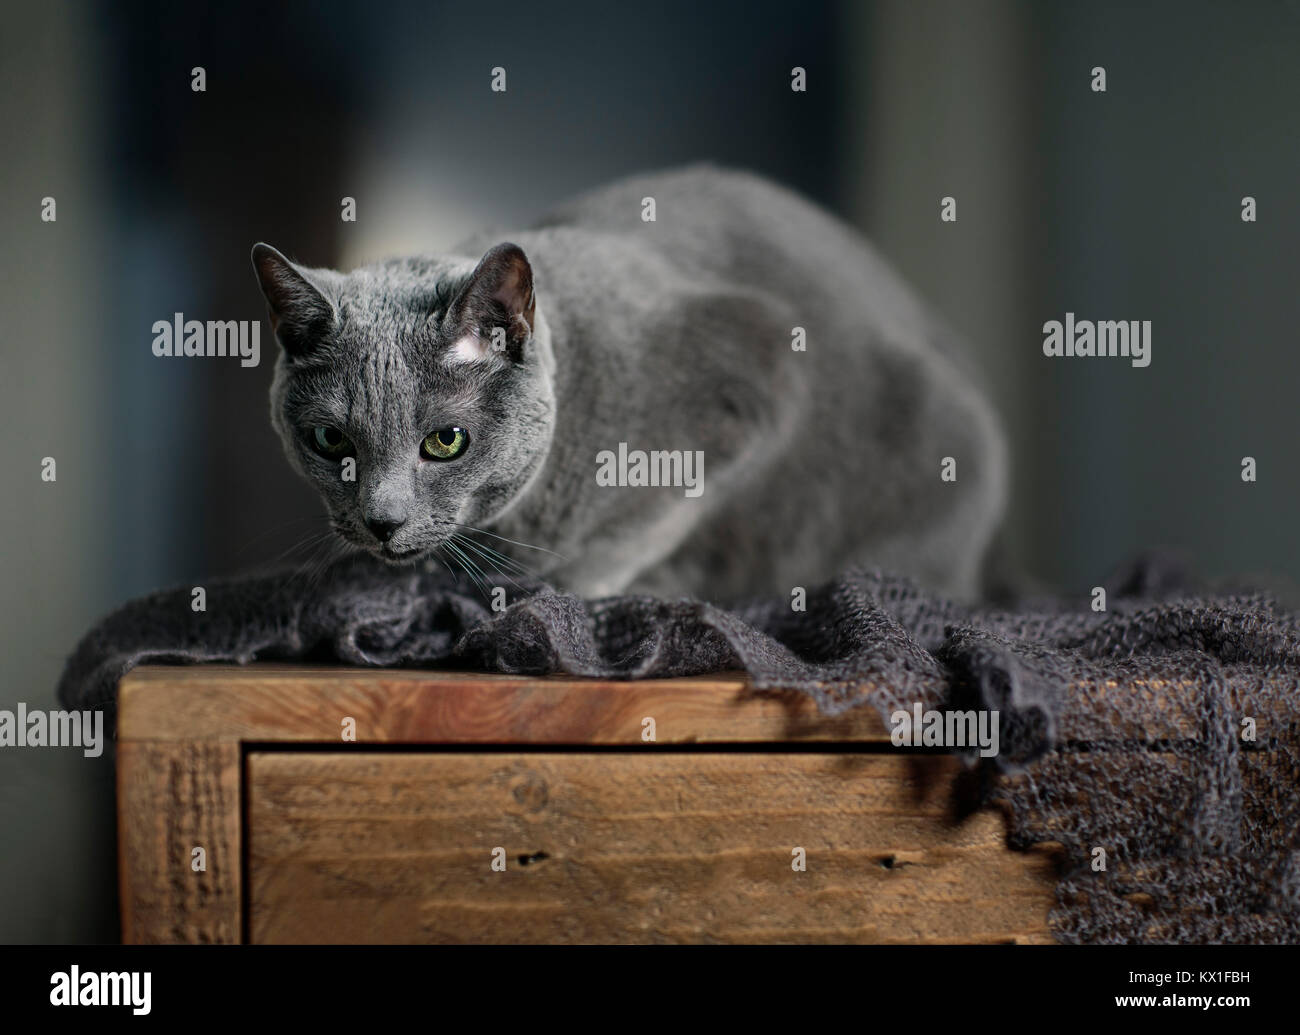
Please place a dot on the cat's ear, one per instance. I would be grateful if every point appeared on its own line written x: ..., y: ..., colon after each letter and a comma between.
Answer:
x: 300, y: 314
x: 493, y: 312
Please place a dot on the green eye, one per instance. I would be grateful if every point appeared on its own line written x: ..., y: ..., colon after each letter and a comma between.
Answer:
x: 445, y: 444
x: 331, y: 443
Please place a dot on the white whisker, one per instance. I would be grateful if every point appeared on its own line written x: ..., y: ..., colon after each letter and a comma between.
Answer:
x: 513, y: 542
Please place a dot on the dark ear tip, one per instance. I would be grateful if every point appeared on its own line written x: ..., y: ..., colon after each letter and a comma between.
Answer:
x: 269, y: 262
x: 508, y: 251
x: 261, y: 254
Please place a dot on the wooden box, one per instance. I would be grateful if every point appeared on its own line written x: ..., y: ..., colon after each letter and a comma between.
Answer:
x: 502, y: 809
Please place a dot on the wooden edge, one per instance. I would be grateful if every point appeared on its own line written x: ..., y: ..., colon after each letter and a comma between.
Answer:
x: 408, y: 706
x: 174, y: 798
x: 270, y: 701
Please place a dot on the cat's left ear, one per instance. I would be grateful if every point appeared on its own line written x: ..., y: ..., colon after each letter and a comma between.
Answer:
x: 493, y: 312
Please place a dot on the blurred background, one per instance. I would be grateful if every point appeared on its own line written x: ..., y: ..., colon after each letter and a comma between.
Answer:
x: 1119, y: 205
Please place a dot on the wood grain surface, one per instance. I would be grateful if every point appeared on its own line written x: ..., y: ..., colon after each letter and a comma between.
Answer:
x: 288, y: 703
x: 641, y: 847
x: 171, y: 799
x: 607, y: 838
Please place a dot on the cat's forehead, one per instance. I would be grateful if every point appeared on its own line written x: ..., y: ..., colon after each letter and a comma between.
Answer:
x: 404, y: 317
x: 387, y: 369
x: 389, y: 362
x: 397, y: 303
x: 404, y: 285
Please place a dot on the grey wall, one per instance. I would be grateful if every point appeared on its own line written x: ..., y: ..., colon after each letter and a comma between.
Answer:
x: 944, y: 108
x: 1120, y: 205
x: 56, y: 866
x: 1140, y: 218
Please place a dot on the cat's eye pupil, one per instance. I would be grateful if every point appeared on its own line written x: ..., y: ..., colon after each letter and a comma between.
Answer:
x: 447, y: 436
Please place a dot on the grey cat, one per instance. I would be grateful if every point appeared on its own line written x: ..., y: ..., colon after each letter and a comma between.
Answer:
x: 726, y: 321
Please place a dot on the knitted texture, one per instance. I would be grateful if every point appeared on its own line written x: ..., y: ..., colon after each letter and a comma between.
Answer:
x: 1163, y: 731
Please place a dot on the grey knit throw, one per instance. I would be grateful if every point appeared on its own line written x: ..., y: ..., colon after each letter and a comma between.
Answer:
x: 1127, y: 730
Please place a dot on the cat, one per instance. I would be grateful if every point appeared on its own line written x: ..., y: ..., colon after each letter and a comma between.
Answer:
x: 697, y: 313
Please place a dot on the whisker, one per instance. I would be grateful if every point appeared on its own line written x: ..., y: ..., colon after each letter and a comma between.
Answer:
x: 303, y: 572
x: 494, y: 556
x: 513, y: 542
x: 470, y: 544
x: 443, y: 562
x: 256, y: 539
x: 464, y: 562
x: 519, y: 566
x: 331, y: 551
x: 484, y: 578
x: 304, y: 544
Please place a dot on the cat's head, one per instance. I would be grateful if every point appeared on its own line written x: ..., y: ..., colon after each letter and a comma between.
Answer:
x: 414, y: 394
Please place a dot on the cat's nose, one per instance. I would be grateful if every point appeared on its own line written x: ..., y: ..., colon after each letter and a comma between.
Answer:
x: 383, y: 528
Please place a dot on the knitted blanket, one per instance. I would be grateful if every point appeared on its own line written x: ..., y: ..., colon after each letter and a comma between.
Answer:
x: 1159, y: 738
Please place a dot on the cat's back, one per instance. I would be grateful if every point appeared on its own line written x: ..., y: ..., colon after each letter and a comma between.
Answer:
x: 711, y: 224
x: 689, y: 206
x: 675, y: 300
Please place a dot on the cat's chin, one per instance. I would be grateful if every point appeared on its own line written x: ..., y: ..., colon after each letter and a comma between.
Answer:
x: 400, y: 558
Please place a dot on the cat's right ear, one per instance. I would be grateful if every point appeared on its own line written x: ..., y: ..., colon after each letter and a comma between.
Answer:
x: 300, y: 314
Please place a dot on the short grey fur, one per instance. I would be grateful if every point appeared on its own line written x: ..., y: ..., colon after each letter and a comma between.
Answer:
x: 671, y: 334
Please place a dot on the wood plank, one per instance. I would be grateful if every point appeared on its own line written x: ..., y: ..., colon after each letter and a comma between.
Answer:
x: 172, y: 798
x: 282, y: 702
x: 269, y: 702
x: 638, y: 846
